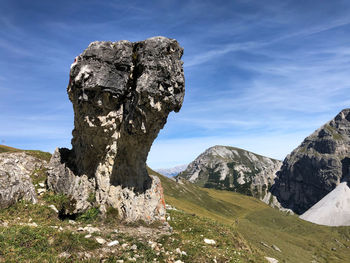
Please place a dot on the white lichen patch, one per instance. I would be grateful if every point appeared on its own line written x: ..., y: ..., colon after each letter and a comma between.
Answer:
x: 157, y: 105
x: 89, y: 122
x: 84, y: 73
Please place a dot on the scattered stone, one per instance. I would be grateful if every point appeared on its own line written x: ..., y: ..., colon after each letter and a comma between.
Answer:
x: 264, y: 244
x: 179, y: 261
x: 113, y: 243
x: 88, y: 236
x: 54, y: 208
x: 122, y: 93
x: 64, y: 255
x: 169, y: 207
x: 152, y: 244
x: 132, y: 259
x: 276, y: 248
x: 41, y: 191
x: 120, y: 261
x: 42, y: 185
x: 133, y: 247
x: 168, y: 218
x: 51, y: 240
x: 100, y: 240
x: 89, y: 229
x: 72, y: 222
x: 209, y: 241
x: 271, y: 260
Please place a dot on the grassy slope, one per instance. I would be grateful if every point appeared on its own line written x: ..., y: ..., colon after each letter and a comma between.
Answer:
x: 300, y: 241
x: 49, y: 237
x: 242, y: 221
x: 38, y: 154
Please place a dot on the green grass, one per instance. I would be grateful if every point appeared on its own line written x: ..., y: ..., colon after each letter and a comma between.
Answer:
x: 35, y: 153
x: 41, y: 244
x: 300, y: 241
x: 4, y: 148
x: 190, y: 232
x: 39, y: 154
x: 334, y: 132
x: 238, y: 223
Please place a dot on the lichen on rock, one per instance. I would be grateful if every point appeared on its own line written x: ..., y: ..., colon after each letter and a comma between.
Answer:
x: 122, y: 93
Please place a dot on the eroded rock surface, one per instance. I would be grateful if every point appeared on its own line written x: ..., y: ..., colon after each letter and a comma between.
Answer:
x: 316, y: 167
x: 234, y: 169
x: 15, y: 181
x: 122, y: 93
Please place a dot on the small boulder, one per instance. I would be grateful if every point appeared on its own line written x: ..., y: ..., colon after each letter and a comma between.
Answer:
x: 113, y: 243
x: 15, y: 181
x: 100, y: 240
x: 271, y: 260
x: 209, y: 241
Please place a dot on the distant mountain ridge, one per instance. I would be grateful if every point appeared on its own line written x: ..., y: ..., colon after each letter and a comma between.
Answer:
x: 173, y: 171
x: 233, y: 169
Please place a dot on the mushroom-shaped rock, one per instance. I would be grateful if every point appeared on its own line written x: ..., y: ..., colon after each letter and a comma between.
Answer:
x: 122, y: 93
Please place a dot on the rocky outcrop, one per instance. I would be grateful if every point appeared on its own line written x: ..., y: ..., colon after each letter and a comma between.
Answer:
x: 316, y: 167
x: 233, y: 169
x: 15, y: 181
x: 122, y: 93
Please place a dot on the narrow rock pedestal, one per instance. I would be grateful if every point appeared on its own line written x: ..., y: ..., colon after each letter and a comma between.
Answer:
x: 122, y: 93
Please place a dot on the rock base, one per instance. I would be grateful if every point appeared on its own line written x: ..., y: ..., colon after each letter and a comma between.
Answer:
x: 85, y: 192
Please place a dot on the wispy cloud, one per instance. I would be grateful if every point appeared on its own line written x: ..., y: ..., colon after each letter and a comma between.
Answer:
x: 259, y: 76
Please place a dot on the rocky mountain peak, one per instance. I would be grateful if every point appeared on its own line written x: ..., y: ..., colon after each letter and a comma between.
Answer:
x: 230, y: 168
x: 316, y: 167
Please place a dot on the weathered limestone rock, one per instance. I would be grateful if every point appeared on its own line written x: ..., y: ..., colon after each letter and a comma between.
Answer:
x: 122, y: 93
x: 15, y: 181
x: 316, y: 167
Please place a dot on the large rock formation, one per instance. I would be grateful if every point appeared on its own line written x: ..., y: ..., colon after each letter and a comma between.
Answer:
x: 316, y: 167
x: 122, y: 93
x: 233, y: 169
x: 15, y: 181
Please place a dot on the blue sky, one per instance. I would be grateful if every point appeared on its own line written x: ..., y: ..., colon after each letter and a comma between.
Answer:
x: 260, y: 75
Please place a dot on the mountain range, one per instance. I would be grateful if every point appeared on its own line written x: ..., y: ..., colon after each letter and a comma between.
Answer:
x: 173, y: 171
